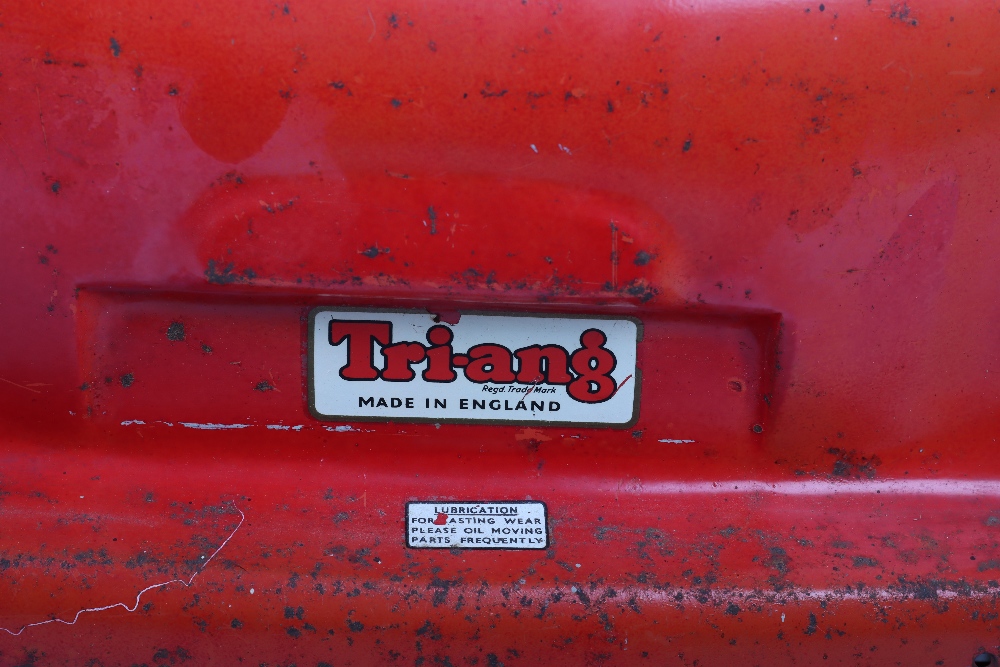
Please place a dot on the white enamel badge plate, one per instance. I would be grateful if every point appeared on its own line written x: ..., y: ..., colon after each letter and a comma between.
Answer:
x: 520, y: 369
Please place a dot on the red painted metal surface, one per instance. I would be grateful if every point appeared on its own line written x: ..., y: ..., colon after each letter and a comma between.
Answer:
x: 797, y: 200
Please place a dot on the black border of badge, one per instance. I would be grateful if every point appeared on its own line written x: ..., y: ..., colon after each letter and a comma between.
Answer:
x: 311, y: 375
x: 406, y: 524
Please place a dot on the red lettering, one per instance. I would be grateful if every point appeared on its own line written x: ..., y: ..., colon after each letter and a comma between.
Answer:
x: 593, y: 365
x: 361, y: 337
x: 586, y: 372
x: 399, y: 358
x: 556, y: 370
x: 439, y: 368
x: 490, y: 363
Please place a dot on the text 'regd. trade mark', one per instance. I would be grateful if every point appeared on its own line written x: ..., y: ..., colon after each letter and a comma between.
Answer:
x: 532, y: 369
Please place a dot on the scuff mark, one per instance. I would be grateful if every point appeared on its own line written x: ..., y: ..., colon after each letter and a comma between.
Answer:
x: 531, y: 434
x: 138, y: 597
x: 975, y: 71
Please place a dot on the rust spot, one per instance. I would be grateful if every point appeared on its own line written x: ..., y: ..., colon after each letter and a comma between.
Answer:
x: 175, y: 331
x: 642, y: 258
x: 811, y: 628
x: 900, y: 11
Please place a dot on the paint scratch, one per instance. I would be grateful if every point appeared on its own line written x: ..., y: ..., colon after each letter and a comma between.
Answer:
x: 45, y: 136
x: 676, y: 442
x: 345, y: 429
x: 213, y: 427
x: 20, y: 386
x: 186, y: 584
x: 614, y: 255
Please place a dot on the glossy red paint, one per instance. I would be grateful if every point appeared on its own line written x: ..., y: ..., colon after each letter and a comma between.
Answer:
x: 796, y: 199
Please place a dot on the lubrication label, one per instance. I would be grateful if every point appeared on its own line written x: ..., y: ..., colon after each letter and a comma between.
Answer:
x: 476, y: 525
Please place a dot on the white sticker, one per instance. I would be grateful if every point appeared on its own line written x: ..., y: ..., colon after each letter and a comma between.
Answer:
x: 524, y: 369
x: 519, y: 524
